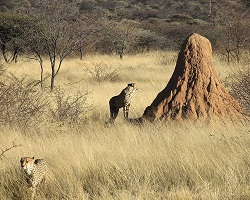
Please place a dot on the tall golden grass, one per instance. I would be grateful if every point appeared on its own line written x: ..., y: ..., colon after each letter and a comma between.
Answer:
x: 178, y: 160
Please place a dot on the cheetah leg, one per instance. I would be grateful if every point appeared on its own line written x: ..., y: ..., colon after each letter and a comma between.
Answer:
x: 113, y: 114
x: 33, y: 192
x: 126, y: 110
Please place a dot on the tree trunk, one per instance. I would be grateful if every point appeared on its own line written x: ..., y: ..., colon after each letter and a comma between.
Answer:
x: 52, y: 81
x: 3, y: 47
x: 228, y: 56
x: 41, y: 73
x: 238, y: 54
x: 81, y: 52
x: 120, y: 51
x: 15, y: 54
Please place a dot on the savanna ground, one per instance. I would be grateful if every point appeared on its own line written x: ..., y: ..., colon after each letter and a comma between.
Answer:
x: 88, y: 160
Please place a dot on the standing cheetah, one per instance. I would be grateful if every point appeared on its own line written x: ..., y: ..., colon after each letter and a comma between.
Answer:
x: 35, y: 171
x: 123, y: 100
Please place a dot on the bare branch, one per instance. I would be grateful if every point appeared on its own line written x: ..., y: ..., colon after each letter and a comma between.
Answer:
x: 14, y: 145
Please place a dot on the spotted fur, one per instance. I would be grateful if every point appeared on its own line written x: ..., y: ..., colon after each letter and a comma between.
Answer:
x: 123, y: 100
x: 35, y: 171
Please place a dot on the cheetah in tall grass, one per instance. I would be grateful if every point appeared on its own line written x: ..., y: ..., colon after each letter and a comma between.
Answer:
x: 123, y: 100
x: 35, y: 171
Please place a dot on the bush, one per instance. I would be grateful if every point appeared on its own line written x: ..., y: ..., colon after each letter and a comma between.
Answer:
x: 24, y: 105
x: 240, y: 87
x: 21, y: 102
x: 101, y: 73
x: 166, y: 58
x: 67, y: 108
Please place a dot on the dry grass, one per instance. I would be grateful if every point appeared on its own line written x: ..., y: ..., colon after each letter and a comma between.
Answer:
x: 91, y: 161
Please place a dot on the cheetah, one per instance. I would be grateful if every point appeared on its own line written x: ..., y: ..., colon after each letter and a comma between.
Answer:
x: 123, y: 100
x: 35, y: 171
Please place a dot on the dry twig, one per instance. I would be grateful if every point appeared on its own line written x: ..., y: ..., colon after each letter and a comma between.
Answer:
x: 14, y: 145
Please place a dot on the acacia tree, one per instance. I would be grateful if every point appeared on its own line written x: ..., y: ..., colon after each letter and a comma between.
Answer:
x: 58, y: 35
x: 117, y: 36
x: 12, y: 28
x: 90, y: 32
x: 34, y: 46
x: 235, y: 34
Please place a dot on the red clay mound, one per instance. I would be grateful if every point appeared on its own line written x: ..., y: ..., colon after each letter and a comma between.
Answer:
x: 194, y: 90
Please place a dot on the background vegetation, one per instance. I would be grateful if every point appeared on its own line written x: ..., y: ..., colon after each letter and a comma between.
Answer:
x: 109, y: 26
x: 58, y: 29
x: 61, y: 62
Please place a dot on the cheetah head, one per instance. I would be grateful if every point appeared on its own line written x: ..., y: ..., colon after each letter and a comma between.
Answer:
x: 27, y: 162
x: 132, y: 87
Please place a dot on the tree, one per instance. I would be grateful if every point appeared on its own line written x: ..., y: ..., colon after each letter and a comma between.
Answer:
x: 246, y: 2
x: 116, y: 36
x: 12, y: 28
x: 235, y: 34
x: 34, y: 45
x: 7, y: 5
x: 90, y: 29
x: 59, y: 34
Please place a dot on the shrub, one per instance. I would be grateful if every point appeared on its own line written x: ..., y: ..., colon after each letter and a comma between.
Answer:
x: 240, y: 87
x: 101, y: 73
x: 166, y: 58
x: 24, y: 105
x: 21, y: 102
x: 69, y: 108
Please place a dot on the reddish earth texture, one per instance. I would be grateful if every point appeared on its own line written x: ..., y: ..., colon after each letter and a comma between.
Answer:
x: 194, y: 90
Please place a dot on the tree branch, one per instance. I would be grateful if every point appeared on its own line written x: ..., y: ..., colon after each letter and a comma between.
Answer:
x: 9, y: 148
